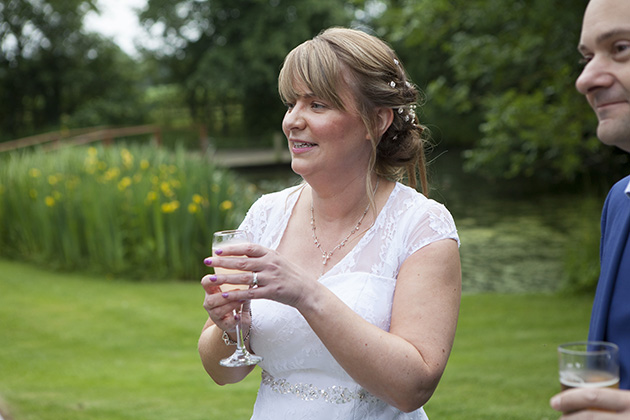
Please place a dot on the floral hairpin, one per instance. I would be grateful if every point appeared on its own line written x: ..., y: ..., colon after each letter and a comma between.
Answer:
x: 408, y: 113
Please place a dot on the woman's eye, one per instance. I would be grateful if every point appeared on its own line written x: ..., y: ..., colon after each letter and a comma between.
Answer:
x: 584, y: 60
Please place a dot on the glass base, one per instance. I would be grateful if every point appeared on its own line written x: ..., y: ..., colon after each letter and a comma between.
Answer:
x: 241, y: 358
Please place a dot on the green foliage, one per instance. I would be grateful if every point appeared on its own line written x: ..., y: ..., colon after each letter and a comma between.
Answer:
x: 54, y: 74
x: 504, y: 72
x: 140, y: 211
x: 581, y: 261
x: 227, y: 54
x: 89, y: 348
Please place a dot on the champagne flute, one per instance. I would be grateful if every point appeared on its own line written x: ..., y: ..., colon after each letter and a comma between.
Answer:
x: 240, y: 357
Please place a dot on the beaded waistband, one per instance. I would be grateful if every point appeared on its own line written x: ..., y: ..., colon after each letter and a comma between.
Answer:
x: 309, y: 392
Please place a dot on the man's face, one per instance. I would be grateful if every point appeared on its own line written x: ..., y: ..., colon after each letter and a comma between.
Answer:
x: 605, y: 80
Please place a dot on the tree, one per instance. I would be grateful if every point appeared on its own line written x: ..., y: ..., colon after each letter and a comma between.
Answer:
x: 50, y: 70
x: 226, y: 55
x: 504, y: 72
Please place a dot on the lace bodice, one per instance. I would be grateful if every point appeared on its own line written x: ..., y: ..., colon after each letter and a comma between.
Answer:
x: 301, y: 379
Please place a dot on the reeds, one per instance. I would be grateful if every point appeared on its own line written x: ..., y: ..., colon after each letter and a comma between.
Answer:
x: 134, y: 211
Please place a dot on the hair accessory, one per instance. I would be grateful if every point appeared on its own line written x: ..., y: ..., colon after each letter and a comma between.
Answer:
x: 408, y: 113
x: 392, y: 84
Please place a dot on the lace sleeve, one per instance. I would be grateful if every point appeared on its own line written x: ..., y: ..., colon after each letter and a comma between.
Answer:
x: 435, y: 223
x: 267, y: 218
x: 256, y: 219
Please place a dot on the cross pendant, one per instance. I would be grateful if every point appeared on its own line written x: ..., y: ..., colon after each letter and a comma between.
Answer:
x: 325, y: 258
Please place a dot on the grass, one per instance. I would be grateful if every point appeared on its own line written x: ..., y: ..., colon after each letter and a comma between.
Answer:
x: 80, y: 347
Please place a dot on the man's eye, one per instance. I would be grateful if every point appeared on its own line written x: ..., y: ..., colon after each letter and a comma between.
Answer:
x: 585, y: 60
x: 621, y: 47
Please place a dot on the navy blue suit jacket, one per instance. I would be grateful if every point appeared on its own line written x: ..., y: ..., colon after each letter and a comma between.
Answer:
x: 614, y: 240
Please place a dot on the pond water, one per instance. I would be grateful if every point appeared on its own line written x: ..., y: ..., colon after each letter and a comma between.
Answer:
x: 512, y: 239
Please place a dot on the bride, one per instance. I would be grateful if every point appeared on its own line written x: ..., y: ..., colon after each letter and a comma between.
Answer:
x: 357, y: 279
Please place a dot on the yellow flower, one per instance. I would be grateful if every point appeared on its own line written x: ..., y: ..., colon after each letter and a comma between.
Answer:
x: 144, y: 164
x: 170, y: 207
x: 127, y: 158
x: 137, y: 178
x: 52, y: 180
x: 193, y: 208
x: 197, y: 199
x: 34, y: 172
x: 49, y: 201
x: 56, y: 195
x: 102, y: 165
x: 124, y: 183
x: 215, y: 188
x: 226, y: 205
x: 152, y: 196
x: 112, y: 173
x: 166, y: 189
x: 92, y: 151
x: 32, y: 193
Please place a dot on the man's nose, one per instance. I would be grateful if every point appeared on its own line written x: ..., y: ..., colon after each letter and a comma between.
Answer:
x: 596, y: 74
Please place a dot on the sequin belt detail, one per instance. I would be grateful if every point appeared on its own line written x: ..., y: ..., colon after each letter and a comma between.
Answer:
x: 309, y: 392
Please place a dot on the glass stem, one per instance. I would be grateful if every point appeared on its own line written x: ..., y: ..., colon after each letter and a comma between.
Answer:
x: 239, y: 331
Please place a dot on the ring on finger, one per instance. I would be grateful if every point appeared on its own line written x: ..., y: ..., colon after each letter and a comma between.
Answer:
x: 254, y: 278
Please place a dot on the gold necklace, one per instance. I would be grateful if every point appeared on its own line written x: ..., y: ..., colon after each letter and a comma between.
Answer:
x: 327, y: 255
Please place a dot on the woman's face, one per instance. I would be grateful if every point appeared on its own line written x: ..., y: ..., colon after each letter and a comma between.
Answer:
x: 326, y: 141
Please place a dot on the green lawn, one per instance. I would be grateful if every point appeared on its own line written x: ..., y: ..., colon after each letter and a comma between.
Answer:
x: 80, y: 347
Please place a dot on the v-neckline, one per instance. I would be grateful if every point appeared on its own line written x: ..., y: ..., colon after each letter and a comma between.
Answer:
x: 359, y: 245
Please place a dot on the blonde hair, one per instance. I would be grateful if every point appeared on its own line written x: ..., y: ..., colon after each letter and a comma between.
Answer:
x: 377, y: 80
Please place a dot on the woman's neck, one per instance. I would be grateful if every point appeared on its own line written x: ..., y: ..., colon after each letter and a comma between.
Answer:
x: 339, y: 201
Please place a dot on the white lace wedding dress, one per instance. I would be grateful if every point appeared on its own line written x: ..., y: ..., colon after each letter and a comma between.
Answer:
x: 300, y: 378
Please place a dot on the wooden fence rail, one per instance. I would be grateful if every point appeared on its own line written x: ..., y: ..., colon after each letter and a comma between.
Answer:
x: 278, y: 154
x: 75, y: 137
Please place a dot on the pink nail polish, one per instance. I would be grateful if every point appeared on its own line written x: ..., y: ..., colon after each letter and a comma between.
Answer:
x: 224, y: 295
x: 207, y: 261
x: 213, y: 278
x: 218, y: 251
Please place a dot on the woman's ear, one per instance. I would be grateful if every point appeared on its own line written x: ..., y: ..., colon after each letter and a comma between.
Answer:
x: 385, y: 116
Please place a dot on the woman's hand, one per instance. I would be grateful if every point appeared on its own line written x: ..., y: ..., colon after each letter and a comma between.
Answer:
x: 592, y: 403
x: 277, y: 279
x: 220, y: 310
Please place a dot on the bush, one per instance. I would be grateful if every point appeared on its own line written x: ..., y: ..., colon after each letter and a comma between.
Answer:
x: 581, y: 260
x: 139, y: 211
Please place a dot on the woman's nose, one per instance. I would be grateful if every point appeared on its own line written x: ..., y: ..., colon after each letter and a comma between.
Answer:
x: 293, y: 119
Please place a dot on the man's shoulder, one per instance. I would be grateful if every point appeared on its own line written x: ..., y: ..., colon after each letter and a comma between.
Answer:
x: 618, y: 190
x: 617, y: 202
